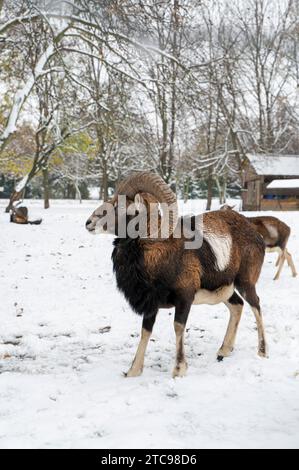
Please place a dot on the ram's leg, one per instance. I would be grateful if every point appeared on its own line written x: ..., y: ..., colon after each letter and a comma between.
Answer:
x: 276, y: 249
x: 249, y: 293
x: 181, y: 316
x: 138, y: 362
x: 235, y: 306
x: 291, y: 263
x: 278, y: 258
x: 280, y: 264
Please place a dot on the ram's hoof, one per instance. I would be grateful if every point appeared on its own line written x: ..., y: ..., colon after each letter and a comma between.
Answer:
x: 180, y: 370
x: 133, y: 373
x: 223, y: 352
x: 263, y: 354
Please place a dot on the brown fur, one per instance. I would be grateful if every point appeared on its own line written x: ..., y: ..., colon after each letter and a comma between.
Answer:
x: 19, y: 215
x: 275, y: 234
x: 190, y: 274
x: 155, y: 273
x: 262, y: 223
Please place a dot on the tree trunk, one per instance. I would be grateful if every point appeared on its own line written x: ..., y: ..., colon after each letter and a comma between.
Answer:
x: 210, y: 190
x: 69, y: 191
x: 78, y: 194
x: 105, y: 183
x: 14, y: 197
x: 219, y: 190
x: 186, y: 189
x: 224, y: 189
x: 46, y: 188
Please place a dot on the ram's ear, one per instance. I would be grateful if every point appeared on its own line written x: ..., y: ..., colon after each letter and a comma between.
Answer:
x: 138, y: 201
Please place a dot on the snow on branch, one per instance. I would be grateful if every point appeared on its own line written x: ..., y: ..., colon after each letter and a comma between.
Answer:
x: 21, y: 184
x: 23, y: 93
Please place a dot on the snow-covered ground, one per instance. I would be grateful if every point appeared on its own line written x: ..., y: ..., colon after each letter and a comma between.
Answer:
x: 66, y: 336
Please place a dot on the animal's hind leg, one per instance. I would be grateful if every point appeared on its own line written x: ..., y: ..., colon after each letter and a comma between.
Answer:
x: 278, y: 259
x: 181, y: 365
x: 235, y: 306
x: 249, y: 293
x: 281, y: 260
x: 291, y: 262
x: 180, y: 319
x: 138, y: 362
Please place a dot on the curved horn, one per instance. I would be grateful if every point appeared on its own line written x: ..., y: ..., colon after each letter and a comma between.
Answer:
x: 151, y: 183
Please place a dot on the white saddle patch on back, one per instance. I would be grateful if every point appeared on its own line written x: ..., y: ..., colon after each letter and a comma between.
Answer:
x: 221, y: 246
x: 272, y: 230
x: 204, y: 296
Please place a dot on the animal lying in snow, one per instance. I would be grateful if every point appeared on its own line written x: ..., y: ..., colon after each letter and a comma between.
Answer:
x: 276, y: 235
x: 19, y: 215
x: 159, y: 272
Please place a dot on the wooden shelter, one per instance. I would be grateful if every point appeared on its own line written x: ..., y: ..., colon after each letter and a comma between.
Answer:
x: 271, y: 182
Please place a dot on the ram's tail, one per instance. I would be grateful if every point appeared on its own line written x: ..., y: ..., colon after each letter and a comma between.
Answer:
x: 35, y: 222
